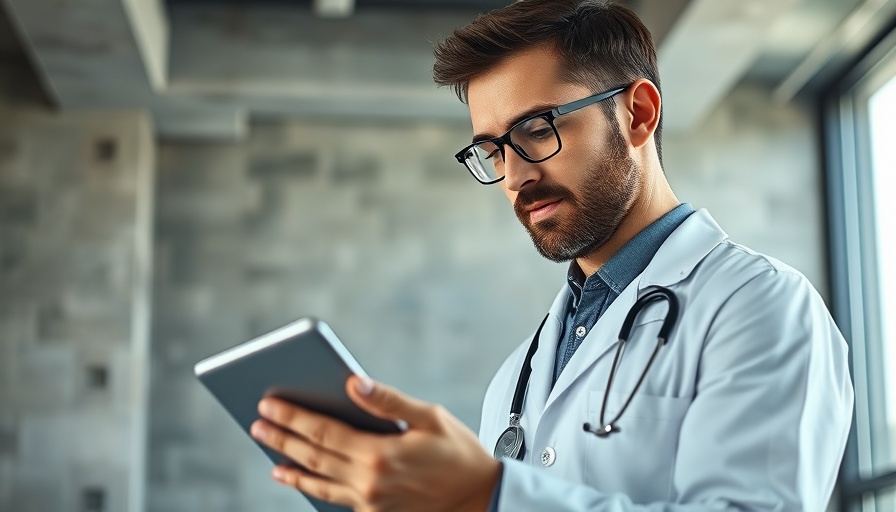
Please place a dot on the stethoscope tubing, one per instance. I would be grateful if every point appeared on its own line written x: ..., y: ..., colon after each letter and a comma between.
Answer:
x: 512, y: 436
x: 654, y: 294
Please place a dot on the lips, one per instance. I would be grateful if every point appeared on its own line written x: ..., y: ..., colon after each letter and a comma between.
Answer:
x: 538, y: 202
x: 540, y: 210
x: 537, y: 205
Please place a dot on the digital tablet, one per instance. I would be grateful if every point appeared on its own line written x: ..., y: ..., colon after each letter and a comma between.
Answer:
x: 304, y: 363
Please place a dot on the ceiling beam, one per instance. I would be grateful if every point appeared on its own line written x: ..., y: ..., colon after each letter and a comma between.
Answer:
x: 149, y: 23
x: 860, y: 22
x: 708, y: 51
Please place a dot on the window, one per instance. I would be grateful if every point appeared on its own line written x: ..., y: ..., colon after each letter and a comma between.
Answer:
x: 861, y: 156
x: 882, y: 117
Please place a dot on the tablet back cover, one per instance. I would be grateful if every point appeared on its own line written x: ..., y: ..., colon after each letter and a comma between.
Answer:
x: 303, y: 363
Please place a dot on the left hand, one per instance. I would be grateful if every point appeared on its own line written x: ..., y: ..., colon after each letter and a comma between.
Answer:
x: 437, y: 464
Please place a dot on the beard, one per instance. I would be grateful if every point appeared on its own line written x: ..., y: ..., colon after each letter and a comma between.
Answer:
x: 596, y: 209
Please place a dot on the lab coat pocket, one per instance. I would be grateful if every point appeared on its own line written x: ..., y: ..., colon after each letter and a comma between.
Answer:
x: 639, y: 460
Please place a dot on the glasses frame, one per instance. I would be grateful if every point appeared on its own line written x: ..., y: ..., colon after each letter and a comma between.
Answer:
x: 549, y: 116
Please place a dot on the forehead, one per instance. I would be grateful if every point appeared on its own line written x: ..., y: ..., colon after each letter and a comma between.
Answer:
x: 530, y: 78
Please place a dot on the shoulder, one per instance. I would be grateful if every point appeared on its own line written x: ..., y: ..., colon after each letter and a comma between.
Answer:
x: 740, y: 264
x: 732, y: 273
x: 699, y: 254
x: 740, y: 292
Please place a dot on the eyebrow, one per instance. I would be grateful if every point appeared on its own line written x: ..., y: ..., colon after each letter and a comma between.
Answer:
x: 537, y: 109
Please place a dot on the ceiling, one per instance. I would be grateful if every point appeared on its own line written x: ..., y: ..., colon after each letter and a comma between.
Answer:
x: 204, y: 68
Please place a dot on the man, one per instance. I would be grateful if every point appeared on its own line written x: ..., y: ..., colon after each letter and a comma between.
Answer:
x: 744, y: 405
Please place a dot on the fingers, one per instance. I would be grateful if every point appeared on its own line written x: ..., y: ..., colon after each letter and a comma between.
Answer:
x: 317, y: 429
x: 314, y: 458
x: 320, y: 488
x: 387, y: 402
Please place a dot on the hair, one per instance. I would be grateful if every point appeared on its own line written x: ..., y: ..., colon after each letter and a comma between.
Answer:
x: 601, y: 44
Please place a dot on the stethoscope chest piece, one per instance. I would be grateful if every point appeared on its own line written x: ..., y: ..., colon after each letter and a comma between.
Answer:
x: 512, y: 441
x: 604, y: 431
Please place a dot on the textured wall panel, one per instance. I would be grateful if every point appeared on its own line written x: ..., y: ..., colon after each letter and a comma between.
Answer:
x: 71, y: 411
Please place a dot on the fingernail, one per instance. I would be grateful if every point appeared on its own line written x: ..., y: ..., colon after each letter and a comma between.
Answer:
x: 258, y: 431
x: 266, y: 408
x: 364, y: 386
x: 279, y: 474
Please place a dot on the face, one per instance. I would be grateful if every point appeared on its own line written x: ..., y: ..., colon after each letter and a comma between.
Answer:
x: 572, y: 203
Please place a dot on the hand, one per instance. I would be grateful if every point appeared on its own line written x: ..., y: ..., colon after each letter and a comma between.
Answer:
x: 437, y: 464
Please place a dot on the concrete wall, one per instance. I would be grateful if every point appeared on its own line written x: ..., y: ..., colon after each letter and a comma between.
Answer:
x: 425, y: 275
x: 755, y: 165
x: 75, y: 199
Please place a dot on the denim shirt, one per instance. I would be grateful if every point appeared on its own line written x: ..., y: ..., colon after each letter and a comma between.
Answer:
x: 590, y: 296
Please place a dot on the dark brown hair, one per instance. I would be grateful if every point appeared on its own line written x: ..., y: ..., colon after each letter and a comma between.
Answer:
x: 602, y: 45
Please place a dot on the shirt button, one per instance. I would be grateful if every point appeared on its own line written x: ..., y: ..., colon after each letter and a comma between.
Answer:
x: 548, y: 456
x: 581, y: 331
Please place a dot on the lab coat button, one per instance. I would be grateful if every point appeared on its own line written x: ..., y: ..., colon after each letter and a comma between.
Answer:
x: 581, y: 331
x: 548, y: 456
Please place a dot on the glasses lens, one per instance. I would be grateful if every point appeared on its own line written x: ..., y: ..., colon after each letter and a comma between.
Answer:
x: 485, y: 161
x: 535, y: 139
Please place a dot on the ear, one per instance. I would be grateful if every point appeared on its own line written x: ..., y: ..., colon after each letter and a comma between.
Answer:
x: 644, y: 107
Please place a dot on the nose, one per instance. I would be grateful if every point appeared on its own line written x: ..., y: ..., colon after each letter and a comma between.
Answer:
x: 518, y: 173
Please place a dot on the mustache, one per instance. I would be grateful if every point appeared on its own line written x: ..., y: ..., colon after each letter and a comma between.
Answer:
x: 540, y: 192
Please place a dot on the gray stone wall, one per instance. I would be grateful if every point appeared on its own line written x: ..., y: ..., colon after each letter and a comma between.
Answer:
x: 426, y: 276
x: 75, y: 199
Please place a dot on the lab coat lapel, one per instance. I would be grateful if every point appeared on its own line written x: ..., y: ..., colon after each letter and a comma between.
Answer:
x: 674, y: 261
x: 543, y: 361
x: 601, y: 339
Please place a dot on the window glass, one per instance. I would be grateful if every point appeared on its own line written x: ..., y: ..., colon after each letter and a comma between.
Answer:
x: 881, y: 501
x: 882, y: 119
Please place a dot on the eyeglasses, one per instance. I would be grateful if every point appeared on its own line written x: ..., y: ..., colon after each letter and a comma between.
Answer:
x: 535, y: 139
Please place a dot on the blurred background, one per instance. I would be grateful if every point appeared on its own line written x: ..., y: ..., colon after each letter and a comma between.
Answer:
x: 178, y: 177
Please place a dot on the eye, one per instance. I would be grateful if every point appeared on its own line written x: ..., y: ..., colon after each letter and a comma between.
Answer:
x: 536, y: 130
x: 541, y: 133
x: 488, y: 151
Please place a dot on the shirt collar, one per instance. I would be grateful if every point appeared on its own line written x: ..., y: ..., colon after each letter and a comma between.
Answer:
x: 631, y: 259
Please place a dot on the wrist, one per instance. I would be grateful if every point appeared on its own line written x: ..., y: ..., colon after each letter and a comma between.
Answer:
x: 481, y: 498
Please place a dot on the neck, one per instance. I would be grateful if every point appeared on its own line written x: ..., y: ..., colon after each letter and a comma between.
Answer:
x: 654, y: 200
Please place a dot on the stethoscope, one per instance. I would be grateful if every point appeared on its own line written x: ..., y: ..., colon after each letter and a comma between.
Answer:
x: 511, y: 442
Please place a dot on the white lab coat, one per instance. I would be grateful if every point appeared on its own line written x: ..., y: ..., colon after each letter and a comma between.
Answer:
x: 747, y: 407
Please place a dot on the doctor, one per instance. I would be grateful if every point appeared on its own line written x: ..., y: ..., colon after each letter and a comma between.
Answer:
x: 744, y: 405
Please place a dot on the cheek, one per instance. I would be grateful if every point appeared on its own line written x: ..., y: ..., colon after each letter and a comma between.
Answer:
x: 591, y: 140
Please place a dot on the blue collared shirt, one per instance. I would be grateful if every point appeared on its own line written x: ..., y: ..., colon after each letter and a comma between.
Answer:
x: 591, y: 296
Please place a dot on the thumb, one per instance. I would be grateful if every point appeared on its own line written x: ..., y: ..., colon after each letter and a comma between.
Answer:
x: 387, y: 402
